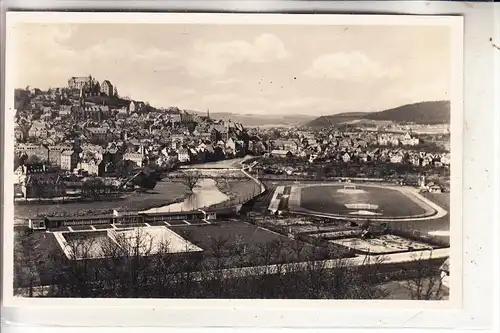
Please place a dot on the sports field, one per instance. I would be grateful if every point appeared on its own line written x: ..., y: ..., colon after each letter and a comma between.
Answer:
x: 360, y: 201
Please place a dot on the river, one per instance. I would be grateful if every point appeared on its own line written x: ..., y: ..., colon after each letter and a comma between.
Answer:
x: 204, y: 194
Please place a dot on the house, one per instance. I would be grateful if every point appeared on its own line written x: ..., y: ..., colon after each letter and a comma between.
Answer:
x: 281, y: 153
x: 394, y: 142
x: 183, y: 155
x: 131, y: 107
x: 54, y: 153
x: 408, y: 140
x: 92, y: 166
x: 383, y: 141
x: 31, y: 150
x: 95, y: 112
x: 23, y: 171
x: 415, y: 160
x: 346, y: 143
x: 346, y: 157
x: 435, y: 189
x: 69, y: 160
x: 363, y: 157
x: 396, y: 158
x: 231, y: 144
x: 19, y: 133
x: 107, y: 88
x: 445, y: 272
x: 38, y: 130
x: 43, y: 185
x: 97, y: 132
x: 136, y: 158
x: 445, y: 159
x: 218, y: 132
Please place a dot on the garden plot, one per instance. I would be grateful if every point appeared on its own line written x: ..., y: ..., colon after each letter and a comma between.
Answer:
x: 382, y: 244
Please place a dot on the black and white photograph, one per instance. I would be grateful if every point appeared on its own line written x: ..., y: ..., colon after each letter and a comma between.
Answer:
x: 226, y: 159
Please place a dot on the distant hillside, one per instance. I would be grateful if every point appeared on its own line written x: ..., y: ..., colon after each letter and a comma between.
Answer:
x: 336, y: 119
x: 254, y: 120
x: 419, y: 113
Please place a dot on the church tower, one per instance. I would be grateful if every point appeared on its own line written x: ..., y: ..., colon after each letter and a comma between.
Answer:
x: 208, y: 113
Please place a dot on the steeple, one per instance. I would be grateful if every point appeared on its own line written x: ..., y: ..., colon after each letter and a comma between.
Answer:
x: 208, y: 113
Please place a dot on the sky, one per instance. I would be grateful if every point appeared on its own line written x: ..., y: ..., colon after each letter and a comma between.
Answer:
x: 274, y: 69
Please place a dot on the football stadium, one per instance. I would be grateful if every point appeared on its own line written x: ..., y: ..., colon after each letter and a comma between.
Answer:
x: 361, y: 201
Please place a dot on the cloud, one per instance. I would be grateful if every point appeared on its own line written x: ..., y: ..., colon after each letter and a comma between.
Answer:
x: 226, y: 81
x: 214, y: 58
x: 299, y: 102
x: 217, y: 98
x: 350, y: 66
x: 121, y: 49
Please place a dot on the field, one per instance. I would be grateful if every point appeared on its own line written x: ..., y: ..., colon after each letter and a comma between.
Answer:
x: 364, y: 200
x: 442, y: 199
x: 238, y: 190
x: 382, y: 244
x: 255, y: 240
x: 164, y: 193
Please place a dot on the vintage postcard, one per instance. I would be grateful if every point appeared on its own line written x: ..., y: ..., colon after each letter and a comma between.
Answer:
x: 244, y: 157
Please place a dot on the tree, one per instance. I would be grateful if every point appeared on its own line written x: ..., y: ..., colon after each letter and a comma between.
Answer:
x: 425, y: 282
x: 32, y: 159
x: 115, y: 93
x: 190, y: 178
x: 93, y: 187
x: 97, y: 88
x: 26, y: 260
x: 124, y: 168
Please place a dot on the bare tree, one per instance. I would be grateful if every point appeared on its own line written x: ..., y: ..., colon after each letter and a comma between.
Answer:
x: 93, y: 187
x: 136, y: 248
x: 26, y: 259
x: 425, y: 281
x: 190, y: 178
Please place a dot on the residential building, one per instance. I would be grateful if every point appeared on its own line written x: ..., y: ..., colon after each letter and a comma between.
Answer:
x: 107, y: 88
x: 69, y: 160
x: 137, y: 158
x: 28, y: 150
x: 19, y: 133
x: 97, y: 132
x: 183, y: 155
x: 92, y: 167
x: 54, y: 153
x: 38, y: 130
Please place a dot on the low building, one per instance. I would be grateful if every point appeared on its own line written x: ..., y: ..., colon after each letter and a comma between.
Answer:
x: 94, y: 167
x: 28, y: 150
x: 136, y: 158
x: 38, y: 130
x: 183, y: 155
x: 43, y: 185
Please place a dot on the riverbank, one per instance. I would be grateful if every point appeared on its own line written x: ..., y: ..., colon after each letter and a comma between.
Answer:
x: 238, y: 191
x: 166, y: 192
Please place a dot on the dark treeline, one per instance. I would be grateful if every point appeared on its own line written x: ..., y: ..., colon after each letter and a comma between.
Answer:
x: 130, y: 269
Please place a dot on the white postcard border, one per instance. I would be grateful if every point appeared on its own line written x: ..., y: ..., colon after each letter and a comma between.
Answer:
x: 275, y: 306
